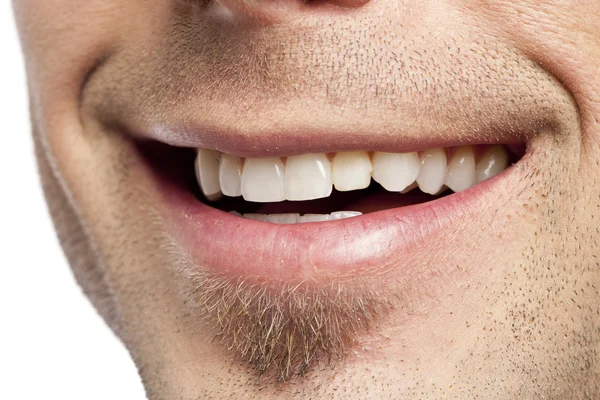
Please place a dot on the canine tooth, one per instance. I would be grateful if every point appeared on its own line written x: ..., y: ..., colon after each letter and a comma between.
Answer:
x: 344, y: 214
x: 283, y: 218
x: 257, y: 217
x: 313, y: 218
x: 351, y: 170
x: 207, y: 174
x: 307, y: 177
x: 262, y: 180
x: 493, y: 161
x: 395, y: 171
x: 230, y: 175
x: 432, y: 173
x: 461, y: 169
x: 237, y: 214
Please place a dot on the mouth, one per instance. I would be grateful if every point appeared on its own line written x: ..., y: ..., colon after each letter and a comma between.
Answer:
x: 292, y: 257
x: 309, y: 216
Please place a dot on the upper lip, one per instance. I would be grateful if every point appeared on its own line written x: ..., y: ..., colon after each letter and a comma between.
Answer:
x: 280, y: 133
x: 281, y: 143
x: 272, y: 126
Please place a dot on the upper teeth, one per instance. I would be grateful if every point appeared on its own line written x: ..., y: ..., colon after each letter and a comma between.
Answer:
x: 311, y: 176
x: 207, y: 172
x: 262, y: 180
x: 395, y: 171
x: 307, y: 177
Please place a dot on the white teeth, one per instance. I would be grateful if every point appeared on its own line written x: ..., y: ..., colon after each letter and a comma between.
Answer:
x: 257, y: 217
x: 313, y: 218
x: 351, y: 170
x: 493, y: 161
x: 312, y: 176
x: 433, y: 170
x: 395, y: 171
x: 461, y: 169
x: 297, y: 219
x: 230, y: 175
x: 262, y: 180
x: 307, y: 177
x: 344, y: 214
x: 207, y: 173
x: 283, y: 218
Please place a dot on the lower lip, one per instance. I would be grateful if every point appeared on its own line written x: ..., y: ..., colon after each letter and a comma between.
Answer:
x: 369, y: 244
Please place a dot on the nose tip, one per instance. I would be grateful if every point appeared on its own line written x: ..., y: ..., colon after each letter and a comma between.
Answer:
x: 279, y: 10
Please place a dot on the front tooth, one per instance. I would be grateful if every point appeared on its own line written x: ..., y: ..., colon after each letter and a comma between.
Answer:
x: 461, y: 169
x: 493, y: 161
x: 207, y: 173
x: 351, y: 170
x: 262, y: 180
x: 307, y: 177
x: 313, y: 218
x: 432, y: 173
x: 395, y: 171
x: 283, y: 218
x: 344, y: 214
x: 230, y: 175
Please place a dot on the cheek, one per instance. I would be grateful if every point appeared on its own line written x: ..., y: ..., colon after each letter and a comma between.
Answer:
x: 563, y: 37
x: 63, y: 40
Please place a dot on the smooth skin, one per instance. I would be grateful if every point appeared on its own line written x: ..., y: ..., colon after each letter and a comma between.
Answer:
x: 518, y: 316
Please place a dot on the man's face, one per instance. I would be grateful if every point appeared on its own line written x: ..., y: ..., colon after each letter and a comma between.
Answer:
x: 489, y: 292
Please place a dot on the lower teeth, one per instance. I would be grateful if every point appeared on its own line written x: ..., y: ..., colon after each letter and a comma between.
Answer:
x: 297, y: 218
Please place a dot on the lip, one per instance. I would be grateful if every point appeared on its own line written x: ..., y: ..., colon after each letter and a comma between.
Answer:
x: 367, y: 245
x: 288, y: 142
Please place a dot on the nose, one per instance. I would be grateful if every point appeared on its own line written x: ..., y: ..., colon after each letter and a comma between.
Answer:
x: 280, y: 10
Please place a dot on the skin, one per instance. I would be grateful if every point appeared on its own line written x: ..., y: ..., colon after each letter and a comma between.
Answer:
x: 517, y: 316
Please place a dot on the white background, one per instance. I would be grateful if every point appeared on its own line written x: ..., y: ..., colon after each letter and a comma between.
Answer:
x: 53, y: 345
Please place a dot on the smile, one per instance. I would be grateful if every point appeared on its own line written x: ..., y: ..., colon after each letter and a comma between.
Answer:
x: 314, y: 216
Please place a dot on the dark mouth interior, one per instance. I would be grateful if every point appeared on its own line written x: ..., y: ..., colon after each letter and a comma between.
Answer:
x: 373, y: 198
x: 177, y: 165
